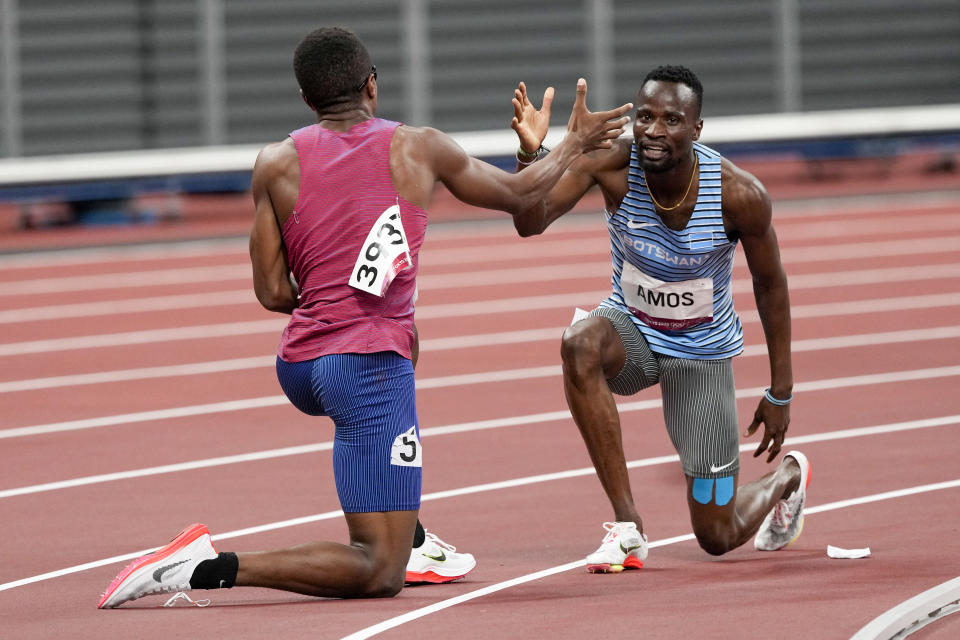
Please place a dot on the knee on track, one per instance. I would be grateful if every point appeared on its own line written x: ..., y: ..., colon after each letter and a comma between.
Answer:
x: 379, y: 584
x: 714, y: 540
x: 381, y: 587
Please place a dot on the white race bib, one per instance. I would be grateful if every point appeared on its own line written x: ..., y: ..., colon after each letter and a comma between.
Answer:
x: 384, y: 254
x: 669, y: 306
x: 406, y: 450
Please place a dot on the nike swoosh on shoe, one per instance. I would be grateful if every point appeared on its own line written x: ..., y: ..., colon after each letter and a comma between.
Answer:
x: 158, y: 574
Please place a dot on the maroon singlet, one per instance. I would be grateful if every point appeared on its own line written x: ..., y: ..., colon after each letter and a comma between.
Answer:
x: 345, y: 187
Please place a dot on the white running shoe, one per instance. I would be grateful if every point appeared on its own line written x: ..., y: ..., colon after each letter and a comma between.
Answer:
x: 624, y: 547
x: 436, y: 562
x: 166, y: 570
x: 783, y: 524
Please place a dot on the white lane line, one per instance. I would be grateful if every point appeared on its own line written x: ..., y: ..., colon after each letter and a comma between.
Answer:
x: 864, y: 205
x: 739, y: 285
x: 147, y: 336
x: 467, y: 491
x: 130, y: 306
x: 245, y: 296
x: 787, y: 213
x: 863, y: 276
x: 596, y: 245
x: 142, y: 373
x: 416, y: 614
x: 427, y: 282
x: 281, y: 400
x: 497, y: 228
x: 126, y: 279
x: 125, y: 253
x: 856, y: 307
x: 497, y: 423
x: 931, y: 301
x: 862, y: 340
x: 879, y: 249
x: 938, y: 222
x: 815, y: 344
x: 475, y: 308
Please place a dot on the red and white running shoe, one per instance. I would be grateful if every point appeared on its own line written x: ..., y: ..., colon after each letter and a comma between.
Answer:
x: 783, y: 524
x: 164, y: 571
x: 624, y: 547
x: 436, y: 562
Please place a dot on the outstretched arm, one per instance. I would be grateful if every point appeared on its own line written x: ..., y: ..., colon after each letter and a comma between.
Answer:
x: 753, y: 221
x: 479, y: 183
x: 531, y: 125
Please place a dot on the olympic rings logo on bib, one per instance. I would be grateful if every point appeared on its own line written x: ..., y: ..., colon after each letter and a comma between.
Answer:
x: 383, y: 255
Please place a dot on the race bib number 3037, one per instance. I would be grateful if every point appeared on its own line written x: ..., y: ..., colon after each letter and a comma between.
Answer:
x: 383, y: 255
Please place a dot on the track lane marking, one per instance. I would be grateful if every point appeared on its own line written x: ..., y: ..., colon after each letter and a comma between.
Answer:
x: 799, y: 346
x: 474, y: 308
x: 416, y: 614
x: 789, y: 214
x: 496, y: 423
x: 937, y: 300
x: 283, y: 524
x: 565, y: 271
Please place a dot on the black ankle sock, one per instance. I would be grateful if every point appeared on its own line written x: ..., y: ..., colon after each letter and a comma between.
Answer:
x: 419, y: 536
x: 216, y: 573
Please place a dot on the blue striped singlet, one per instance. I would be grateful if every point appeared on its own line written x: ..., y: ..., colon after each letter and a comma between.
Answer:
x: 662, y: 278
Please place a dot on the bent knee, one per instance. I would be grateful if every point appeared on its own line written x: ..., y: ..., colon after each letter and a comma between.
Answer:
x: 579, y: 343
x: 382, y: 586
x: 583, y: 346
x: 714, y: 540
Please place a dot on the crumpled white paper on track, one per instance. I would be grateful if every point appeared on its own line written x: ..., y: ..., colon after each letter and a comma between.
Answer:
x: 847, y: 554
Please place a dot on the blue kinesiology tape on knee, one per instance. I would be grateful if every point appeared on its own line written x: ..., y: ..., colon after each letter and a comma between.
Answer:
x: 702, y: 490
x: 725, y: 490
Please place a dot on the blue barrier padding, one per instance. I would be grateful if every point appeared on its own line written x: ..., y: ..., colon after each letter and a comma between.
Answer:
x: 126, y: 189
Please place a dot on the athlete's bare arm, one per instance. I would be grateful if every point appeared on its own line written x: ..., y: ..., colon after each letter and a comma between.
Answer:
x: 748, y: 213
x: 606, y: 167
x: 275, y: 184
x: 420, y: 157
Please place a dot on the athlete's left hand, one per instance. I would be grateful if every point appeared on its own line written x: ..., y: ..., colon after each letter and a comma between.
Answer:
x: 775, y: 422
x: 530, y: 123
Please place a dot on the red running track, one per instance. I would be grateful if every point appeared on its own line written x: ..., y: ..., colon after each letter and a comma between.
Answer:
x: 134, y: 379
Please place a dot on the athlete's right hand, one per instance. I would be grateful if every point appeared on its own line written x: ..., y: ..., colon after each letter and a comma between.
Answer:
x: 530, y: 123
x: 595, y: 130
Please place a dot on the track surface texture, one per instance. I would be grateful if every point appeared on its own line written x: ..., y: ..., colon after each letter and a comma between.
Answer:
x: 138, y: 395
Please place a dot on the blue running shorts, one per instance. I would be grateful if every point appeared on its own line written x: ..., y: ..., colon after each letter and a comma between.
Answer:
x: 377, y: 458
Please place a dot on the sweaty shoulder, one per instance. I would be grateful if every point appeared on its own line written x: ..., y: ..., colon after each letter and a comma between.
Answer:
x: 415, y: 154
x: 746, y: 205
x: 276, y: 176
x: 418, y: 142
x: 276, y: 158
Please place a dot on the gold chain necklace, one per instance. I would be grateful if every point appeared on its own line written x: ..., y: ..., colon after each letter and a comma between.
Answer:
x: 696, y: 163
